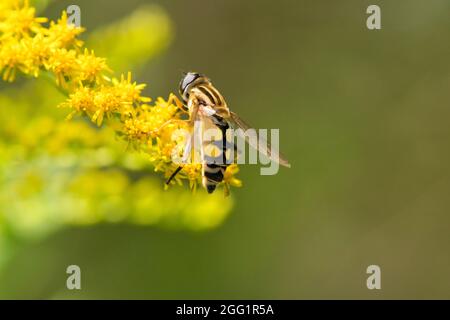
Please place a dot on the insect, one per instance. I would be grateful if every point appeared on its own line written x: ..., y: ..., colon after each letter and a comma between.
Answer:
x: 207, y: 106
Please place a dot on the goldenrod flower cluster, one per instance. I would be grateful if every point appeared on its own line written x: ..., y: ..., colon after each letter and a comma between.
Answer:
x: 55, y: 173
x: 35, y: 47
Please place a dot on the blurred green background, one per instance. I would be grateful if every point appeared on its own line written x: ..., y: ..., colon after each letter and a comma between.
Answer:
x: 363, y: 117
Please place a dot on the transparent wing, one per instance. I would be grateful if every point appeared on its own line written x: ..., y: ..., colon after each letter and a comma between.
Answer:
x: 218, y: 146
x: 264, y: 147
x: 191, y: 153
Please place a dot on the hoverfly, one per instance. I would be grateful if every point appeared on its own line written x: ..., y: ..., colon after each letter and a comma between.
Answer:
x: 204, y: 103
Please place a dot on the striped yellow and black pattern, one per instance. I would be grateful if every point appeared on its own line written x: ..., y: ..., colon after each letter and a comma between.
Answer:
x: 203, y: 101
x: 197, y: 90
x: 214, y: 153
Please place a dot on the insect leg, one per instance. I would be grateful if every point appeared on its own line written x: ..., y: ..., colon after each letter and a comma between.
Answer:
x: 193, y: 103
x: 173, y: 99
x: 170, y: 121
x: 174, y: 174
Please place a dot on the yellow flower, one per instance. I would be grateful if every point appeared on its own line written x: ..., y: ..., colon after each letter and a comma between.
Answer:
x: 130, y: 91
x: 81, y: 100
x: 28, y: 47
x: 63, y: 64
x: 6, y: 6
x: 35, y: 51
x: 61, y: 34
x: 11, y: 56
x: 19, y: 20
x: 91, y: 68
x: 229, y: 177
x: 106, y: 101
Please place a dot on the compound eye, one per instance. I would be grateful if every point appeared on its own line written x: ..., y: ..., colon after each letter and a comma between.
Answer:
x: 187, y: 80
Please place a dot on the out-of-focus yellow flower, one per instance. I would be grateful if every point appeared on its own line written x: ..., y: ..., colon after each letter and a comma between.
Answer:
x: 230, y: 176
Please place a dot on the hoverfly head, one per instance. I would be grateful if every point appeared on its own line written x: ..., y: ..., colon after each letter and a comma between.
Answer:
x: 189, y: 80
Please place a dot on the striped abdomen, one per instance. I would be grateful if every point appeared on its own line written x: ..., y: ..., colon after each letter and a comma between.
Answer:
x: 214, y: 165
x: 213, y: 175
